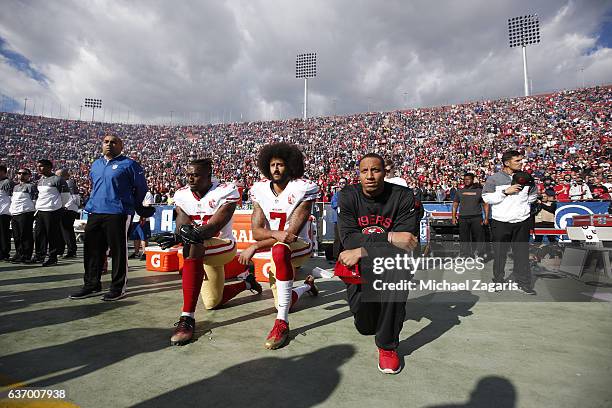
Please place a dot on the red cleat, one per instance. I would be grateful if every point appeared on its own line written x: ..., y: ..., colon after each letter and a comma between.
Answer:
x: 278, y: 335
x: 183, y: 332
x: 388, y: 361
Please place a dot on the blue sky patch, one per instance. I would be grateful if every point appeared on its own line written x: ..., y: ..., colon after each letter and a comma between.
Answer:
x: 8, y: 104
x: 20, y: 62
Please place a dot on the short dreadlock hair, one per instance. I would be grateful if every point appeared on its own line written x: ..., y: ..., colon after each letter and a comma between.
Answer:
x: 206, y: 164
x: 290, y: 154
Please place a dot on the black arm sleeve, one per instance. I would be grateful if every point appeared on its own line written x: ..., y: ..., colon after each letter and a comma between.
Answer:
x: 407, y: 217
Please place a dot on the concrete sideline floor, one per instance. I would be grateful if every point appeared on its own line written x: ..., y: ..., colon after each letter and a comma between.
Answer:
x: 463, y: 351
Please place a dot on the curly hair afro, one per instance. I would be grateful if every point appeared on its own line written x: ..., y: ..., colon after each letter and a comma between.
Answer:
x: 289, y: 153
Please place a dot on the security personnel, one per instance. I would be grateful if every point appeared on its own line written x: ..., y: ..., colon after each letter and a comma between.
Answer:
x: 22, y: 210
x: 469, y: 200
x: 69, y: 214
x: 118, y: 188
x: 52, y: 196
x: 6, y: 190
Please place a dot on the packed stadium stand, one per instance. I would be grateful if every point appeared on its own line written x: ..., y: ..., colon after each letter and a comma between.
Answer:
x: 567, y: 132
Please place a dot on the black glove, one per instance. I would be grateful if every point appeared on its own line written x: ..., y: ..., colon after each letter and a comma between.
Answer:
x: 166, y: 239
x: 145, y: 212
x: 189, y: 234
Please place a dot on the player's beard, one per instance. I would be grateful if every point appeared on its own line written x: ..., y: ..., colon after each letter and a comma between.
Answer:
x: 284, y: 179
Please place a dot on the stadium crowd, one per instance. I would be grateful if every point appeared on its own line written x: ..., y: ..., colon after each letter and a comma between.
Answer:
x: 565, y: 136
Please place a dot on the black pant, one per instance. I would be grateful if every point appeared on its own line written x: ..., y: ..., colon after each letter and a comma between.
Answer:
x: 40, y: 239
x: 23, y: 234
x: 471, y: 231
x: 5, y: 235
x: 383, y: 319
x: 337, y: 243
x: 48, y: 225
x: 104, y: 231
x: 68, y: 236
x: 515, y: 235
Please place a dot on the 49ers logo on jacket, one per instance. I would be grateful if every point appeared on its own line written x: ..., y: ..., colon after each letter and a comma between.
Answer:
x: 372, y: 220
x: 374, y: 229
x: 291, y: 199
x: 212, y: 203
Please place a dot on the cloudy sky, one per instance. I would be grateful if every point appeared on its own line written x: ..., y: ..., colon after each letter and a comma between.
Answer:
x: 221, y: 60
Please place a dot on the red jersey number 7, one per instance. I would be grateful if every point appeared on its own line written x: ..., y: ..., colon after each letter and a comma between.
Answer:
x: 279, y: 216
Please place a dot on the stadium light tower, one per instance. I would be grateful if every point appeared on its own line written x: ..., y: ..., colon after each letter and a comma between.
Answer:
x: 524, y: 31
x: 306, y: 67
x: 93, y: 104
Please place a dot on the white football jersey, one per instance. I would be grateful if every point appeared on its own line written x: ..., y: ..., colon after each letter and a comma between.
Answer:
x: 278, y: 209
x: 200, y: 210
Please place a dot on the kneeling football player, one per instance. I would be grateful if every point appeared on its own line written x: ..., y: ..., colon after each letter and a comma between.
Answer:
x: 281, y: 225
x: 204, y: 225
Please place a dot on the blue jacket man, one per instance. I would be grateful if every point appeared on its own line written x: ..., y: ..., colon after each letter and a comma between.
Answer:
x: 118, y: 188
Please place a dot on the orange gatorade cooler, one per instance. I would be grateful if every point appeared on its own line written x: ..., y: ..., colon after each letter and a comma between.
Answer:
x: 262, y: 262
x: 241, y: 228
x: 232, y: 269
x: 162, y: 260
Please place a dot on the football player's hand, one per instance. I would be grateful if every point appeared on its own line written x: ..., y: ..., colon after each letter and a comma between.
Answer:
x: 513, y: 189
x: 189, y: 234
x: 166, y: 239
x: 350, y: 257
x: 246, y: 255
x: 284, y: 236
x: 403, y: 240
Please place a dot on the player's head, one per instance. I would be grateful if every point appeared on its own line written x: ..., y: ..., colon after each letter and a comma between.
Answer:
x: 468, y: 179
x: 372, y: 174
x: 44, y: 166
x: 112, y: 146
x: 199, y: 174
x: 24, y: 175
x: 64, y: 173
x: 512, y: 159
x: 389, y: 168
x: 281, y: 162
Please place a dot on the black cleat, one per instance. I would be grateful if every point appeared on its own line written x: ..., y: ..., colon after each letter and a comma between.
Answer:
x: 310, y: 280
x: 254, y: 285
x: 527, y: 291
x: 50, y: 262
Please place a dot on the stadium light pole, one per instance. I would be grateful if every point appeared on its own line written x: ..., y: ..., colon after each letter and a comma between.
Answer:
x: 524, y: 31
x: 306, y: 67
x: 93, y: 104
x: 80, y: 111
x: 25, y: 102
